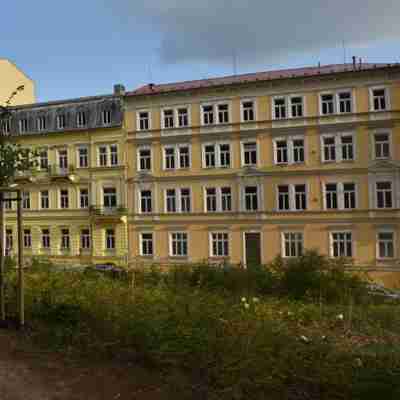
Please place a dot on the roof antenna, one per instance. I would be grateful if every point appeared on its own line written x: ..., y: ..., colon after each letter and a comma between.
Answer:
x: 344, y: 52
x: 234, y: 62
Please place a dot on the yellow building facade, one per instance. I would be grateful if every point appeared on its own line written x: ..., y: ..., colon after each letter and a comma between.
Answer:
x: 248, y: 167
x: 11, y: 78
x: 74, y: 204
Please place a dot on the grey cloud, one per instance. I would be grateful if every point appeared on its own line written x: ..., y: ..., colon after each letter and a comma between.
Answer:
x: 259, y: 31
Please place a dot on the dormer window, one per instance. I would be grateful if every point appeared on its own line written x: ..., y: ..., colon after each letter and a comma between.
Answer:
x: 61, y: 121
x: 106, y: 117
x: 81, y: 119
x: 23, y: 125
x: 41, y: 123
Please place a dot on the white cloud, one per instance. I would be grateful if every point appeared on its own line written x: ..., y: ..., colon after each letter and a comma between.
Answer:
x: 261, y: 30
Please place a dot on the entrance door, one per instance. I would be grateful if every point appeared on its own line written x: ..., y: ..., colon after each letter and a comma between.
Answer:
x: 252, y: 242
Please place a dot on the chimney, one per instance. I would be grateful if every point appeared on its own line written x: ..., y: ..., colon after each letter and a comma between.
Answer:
x: 360, y: 63
x: 119, y: 89
x: 354, y: 62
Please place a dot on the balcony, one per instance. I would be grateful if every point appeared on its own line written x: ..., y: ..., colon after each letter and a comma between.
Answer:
x: 112, y: 214
x: 58, y: 173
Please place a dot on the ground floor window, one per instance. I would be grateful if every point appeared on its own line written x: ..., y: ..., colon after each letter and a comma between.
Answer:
x: 385, y: 244
x: 219, y: 244
x: 146, y: 244
x: 292, y: 244
x: 27, y: 238
x: 85, y: 239
x: 45, y: 238
x: 178, y: 244
x: 110, y: 239
x: 65, y: 241
x: 341, y: 244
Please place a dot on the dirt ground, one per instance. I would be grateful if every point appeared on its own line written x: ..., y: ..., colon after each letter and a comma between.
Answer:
x: 27, y: 373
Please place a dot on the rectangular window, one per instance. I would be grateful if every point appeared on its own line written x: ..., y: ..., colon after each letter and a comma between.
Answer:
x: 81, y: 119
x: 345, y: 102
x: 327, y: 104
x: 144, y: 120
x: 226, y: 199
x: 249, y: 153
x: 384, y: 195
x: 298, y: 150
x: 283, y: 197
x: 41, y: 123
x: 219, y: 244
x: 292, y: 244
x: 209, y: 156
x: 346, y: 143
x: 61, y: 121
x: 84, y: 198
x: 45, y: 238
x: 349, y: 196
x: 169, y: 157
x: 106, y: 117
x: 208, y: 115
x: 27, y: 238
x: 385, y: 244
x: 331, y: 196
x: 185, y: 200
x: 280, y: 108
x: 85, y: 239
x: 184, y: 157
x: 113, y: 154
x: 83, y: 157
x: 223, y: 113
x: 281, y: 152
x: 103, y: 156
x: 300, y: 197
x: 146, y: 244
x: 341, y: 244
x: 183, y: 117
x: 63, y: 159
x: 6, y: 126
x: 146, y: 201
x: 44, y: 199
x: 170, y: 200
x: 251, y: 198
x: 329, y: 148
x: 9, y: 241
x: 296, y: 106
x: 225, y: 155
x: 248, y: 111
x: 168, y: 118
x: 64, y: 198
x: 144, y: 159
x: 379, y: 99
x: 65, y: 241
x: 178, y: 244
x: 382, y: 145
x: 211, y: 199
x: 43, y: 159
x: 110, y: 239
x: 26, y: 200
x: 109, y: 197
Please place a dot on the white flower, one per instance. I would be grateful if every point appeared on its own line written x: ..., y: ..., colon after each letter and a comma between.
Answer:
x: 256, y: 299
x: 289, y: 313
x: 246, y: 305
x: 340, y: 316
x: 304, y: 339
x: 243, y: 299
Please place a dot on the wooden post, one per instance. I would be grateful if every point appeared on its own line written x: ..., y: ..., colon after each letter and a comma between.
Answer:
x: 2, y: 258
x: 21, y: 304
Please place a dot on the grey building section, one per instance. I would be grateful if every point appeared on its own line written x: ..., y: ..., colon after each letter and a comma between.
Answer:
x: 92, y: 107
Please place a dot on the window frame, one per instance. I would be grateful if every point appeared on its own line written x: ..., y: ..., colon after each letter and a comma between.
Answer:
x: 303, y: 106
x: 211, y: 247
x: 242, y: 153
x: 289, y: 149
x: 331, y: 243
x: 138, y: 158
x: 138, y: 120
x: 339, y: 195
x: 283, y: 243
x: 378, y: 255
x: 390, y: 142
x: 387, y: 98
x: 338, y: 147
x: 254, y: 108
x: 141, y: 253
x: 170, y: 244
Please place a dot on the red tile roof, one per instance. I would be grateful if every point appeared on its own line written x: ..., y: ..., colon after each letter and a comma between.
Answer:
x: 254, y: 77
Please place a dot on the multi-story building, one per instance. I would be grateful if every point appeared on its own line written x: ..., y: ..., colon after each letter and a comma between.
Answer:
x: 245, y: 168
x: 74, y: 205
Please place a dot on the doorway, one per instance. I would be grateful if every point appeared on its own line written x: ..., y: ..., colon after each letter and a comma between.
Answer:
x: 252, y: 247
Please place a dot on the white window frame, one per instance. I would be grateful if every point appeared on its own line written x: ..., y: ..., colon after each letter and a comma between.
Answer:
x: 113, y: 187
x: 139, y: 203
x: 259, y: 197
x: 217, y: 152
x: 78, y: 158
x: 242, y: 158
x: 303, y: 106
x: 80, y: 196
x: 387, y: 98
x: 210, y: 244
x: 177, y: 161
x: 141, y: 253
x: 390, y: 141
x: 346, y: 231
x: 40, y: 199
x: 170, y: 242
x: 242, y: 101
x: 273, y: 111
x: 178, y: 200
x: 138, y: 112
x: 114, y: 240
x: 352, y: 101
x: 87, y: 237
x: 339, y: 195
x: 338, y: 146
x: 378, y: 256
x: 202, y: 106
x: 283, y: 243
x: 333, y: 100
x: 218, y: 194
x: 174, y: 118
x: 393, y: 191
x: 290, y: 149
x: 138, y: 158
x: 187, y: 107
x: 68, y: 198
x: 292, y: 196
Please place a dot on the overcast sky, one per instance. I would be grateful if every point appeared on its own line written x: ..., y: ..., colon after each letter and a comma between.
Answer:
x: 77, y: 48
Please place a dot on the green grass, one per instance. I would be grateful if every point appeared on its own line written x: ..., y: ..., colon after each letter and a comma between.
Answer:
x: 233, y: 334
